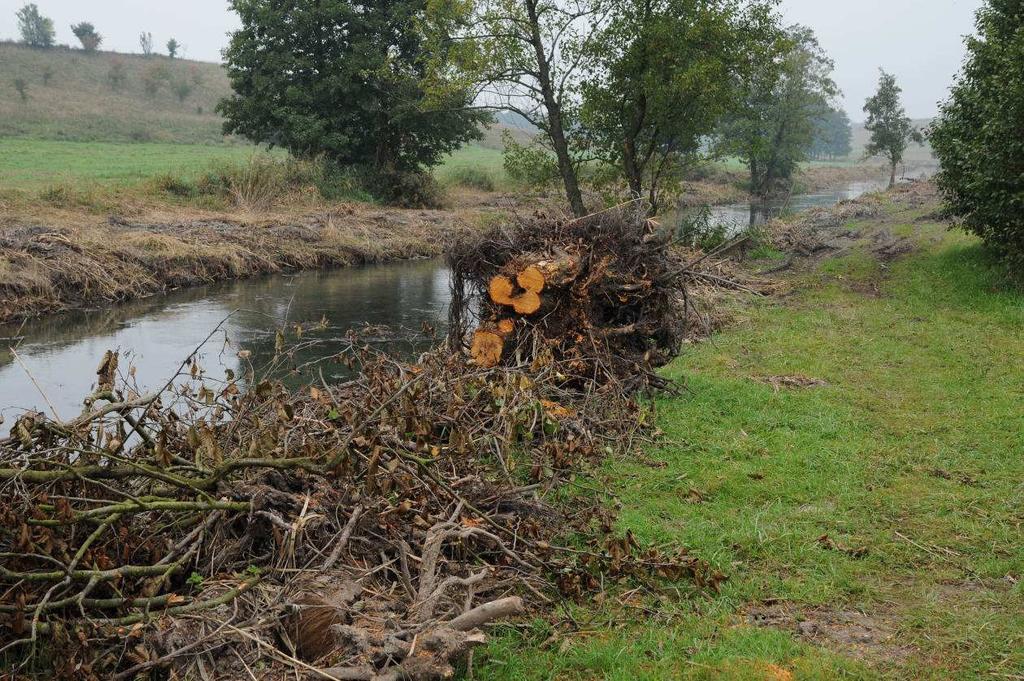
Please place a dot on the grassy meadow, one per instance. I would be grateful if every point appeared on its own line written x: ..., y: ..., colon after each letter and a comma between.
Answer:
x: 870, y: 526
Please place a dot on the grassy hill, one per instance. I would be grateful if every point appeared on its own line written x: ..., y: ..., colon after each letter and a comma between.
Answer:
x: 70, y: 97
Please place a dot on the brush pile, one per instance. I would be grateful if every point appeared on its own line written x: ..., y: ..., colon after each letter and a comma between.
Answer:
x: 228, y: 528
x: 602, y: 294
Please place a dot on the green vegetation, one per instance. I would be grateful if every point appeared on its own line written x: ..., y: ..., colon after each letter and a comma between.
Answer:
x: 34, y: 164
x: 101, y: 97
x: 892, y: 493
x: 833, y: 136
x: 87, y: 35
x: 891, y: 129
x: 359, y: 99
x: 636, y: 123
x: 979, y: 137
x: 35, y: 29
x: 784, y: 94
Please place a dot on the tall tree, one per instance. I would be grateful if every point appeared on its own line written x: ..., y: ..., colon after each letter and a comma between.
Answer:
x: 35, y: 29
x: 525, y: 56
x: 661, y: 77
x: 979, y: 136
x: 87, y: 35
x: 891, y: 130
x: 833, y: 136
x: 172, y: 48
x: 344, y: 79
x: 785, y: 91
x: 146, y: 43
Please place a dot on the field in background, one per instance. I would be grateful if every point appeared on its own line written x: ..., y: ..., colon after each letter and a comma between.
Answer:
x: 78, y: 102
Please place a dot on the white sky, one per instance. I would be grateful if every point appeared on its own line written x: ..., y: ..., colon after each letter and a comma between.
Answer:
x: 921, y: 41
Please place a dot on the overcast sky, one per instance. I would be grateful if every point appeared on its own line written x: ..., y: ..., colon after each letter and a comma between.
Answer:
x: 921, y: 41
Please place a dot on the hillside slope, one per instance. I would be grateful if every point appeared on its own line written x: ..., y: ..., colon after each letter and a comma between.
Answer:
x: 80, y: 103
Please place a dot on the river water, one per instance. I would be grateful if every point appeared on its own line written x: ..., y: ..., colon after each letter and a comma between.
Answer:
x: 58, y: 355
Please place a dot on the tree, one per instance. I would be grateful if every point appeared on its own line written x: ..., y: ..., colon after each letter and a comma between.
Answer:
x: 979, y: 135
x: 891, y: 130
x: 526, y: 57
x: 87, y: 35
x: 172, y: 48
x: 36, y: 30
x: 833, y: 136
x: 146, y: 43
x: 21, y: 85
x: 787, y: 88
x: 660, y: 79
x: 345, y: 80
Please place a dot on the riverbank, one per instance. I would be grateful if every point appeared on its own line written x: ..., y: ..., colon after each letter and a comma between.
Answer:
x: 848, y: 454
x: 73, y: 246
x: 59, y: 259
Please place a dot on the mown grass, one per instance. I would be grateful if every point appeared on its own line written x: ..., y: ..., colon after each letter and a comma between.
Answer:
x: 33, y: 163
x: 909, y: 460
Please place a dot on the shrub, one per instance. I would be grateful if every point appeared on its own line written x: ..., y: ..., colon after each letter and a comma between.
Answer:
x: 529, y: 165
x: 473, y: 178
x: 405, y: 189
x: 182, y: 89
x: 176, y: 185
x: 87, y: 35
x: 698, y: 229
x: 21, y: 85
x: 117, y: 76
x: 978, y: 136
x: 154, y: 78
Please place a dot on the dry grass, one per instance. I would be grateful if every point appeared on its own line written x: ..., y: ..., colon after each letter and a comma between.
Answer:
x: 58, y: 259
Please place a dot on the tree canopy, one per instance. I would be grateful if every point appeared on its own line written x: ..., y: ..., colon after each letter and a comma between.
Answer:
x: 833, y: 136
x: 784, y: 93
x: 662, y: 74
x: 35, y: 29
x: 342, y: 79
x: 890, y: 127
x: 979, y: 136
x: 87, y: 35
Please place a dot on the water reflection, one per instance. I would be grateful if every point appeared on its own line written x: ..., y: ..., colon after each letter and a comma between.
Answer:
x: 157, y: 333
x: 736, y: 218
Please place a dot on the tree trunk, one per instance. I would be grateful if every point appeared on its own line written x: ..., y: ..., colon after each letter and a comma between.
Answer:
x: 556, y: 129
x: 892, y: 176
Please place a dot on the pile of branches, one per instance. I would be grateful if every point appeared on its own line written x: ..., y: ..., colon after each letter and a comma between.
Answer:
x: 230, y: 528
x: 604, y: 294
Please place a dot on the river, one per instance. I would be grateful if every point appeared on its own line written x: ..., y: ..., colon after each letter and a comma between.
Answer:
x: 57, y: 356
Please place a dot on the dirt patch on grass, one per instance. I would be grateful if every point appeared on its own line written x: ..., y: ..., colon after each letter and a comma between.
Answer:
x: 870, y: 637
x: 63, y: 260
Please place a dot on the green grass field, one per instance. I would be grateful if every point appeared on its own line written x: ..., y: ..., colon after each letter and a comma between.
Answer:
x: 892, y: 494
x: 33, y: 164
x: 30, y: 164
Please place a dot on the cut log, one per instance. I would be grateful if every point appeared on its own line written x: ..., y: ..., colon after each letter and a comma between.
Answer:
x: 506, y: 326
x: 527, y: 303
x: 531, y: 279
x: 487, y: 348
x: 501, y: 289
